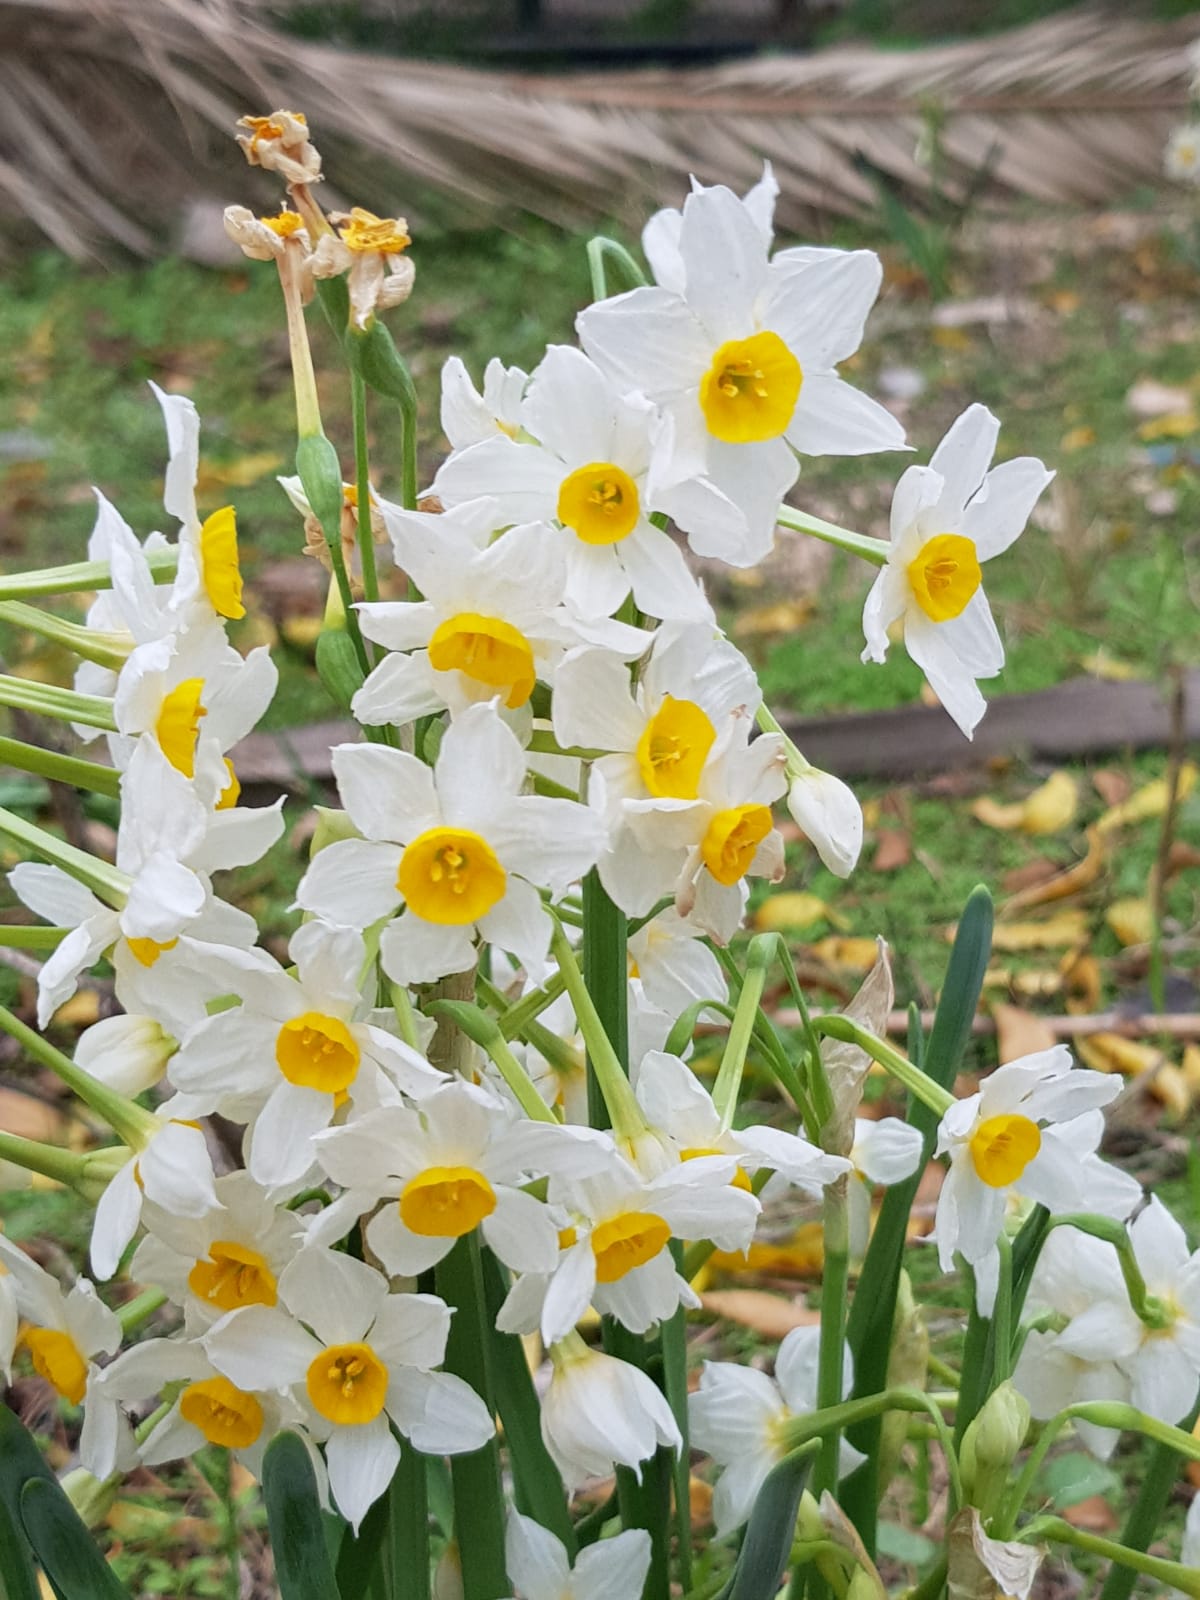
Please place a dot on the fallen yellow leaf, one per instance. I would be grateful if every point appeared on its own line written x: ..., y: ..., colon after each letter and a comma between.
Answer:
x: 1175, y: 425
x: 782, y: 617
x: 1171, y: 1088
x: 1080, y: 876
x: 768, y: 1314
x: 1101, y: 665
x: 794, y: 909
x: 1064, y: 928
x: 1049, y: 808
x: 801, y: 1256
x: 1020, y: 1032
x: 1112, y: 1052
x: 237, y: 474
x: 857, y: 955
x: 1077, y: 438
x: 80, y: 1011
x: 1131, y: 920
x: 1146, y: 802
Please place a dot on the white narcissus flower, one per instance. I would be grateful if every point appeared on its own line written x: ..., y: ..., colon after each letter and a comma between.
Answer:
x: 599, y: 1413
x: 462, y: 856
x: 231, y: 1255
x: 739, y: 1417
x: 455, y: 1162
x: 675, y: 967
x: 128, y: 1053
x: 1026, y: 1132
x: 582, y: 461
x: 1163, y: 1362
x: 173, y: 1169
x: 167, y: 844
x: 493, y: 619
x: 64, y: 1334
x: 740, y: 353
x: 539, y: 1568
x: 295, y: 1052
x: 617, y: 1253
x: 885, y: 1151
x: 947, y: 519
x: 1181, y: 158
x: 205, y: 1409
x: 357, y: 1360
x: 827, y: 812
x: 469, y: 417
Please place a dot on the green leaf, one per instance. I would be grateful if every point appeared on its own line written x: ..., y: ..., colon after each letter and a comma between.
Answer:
x: 18, y: 1580
x: 69, y: 1558
x: 768, y: 1542
x: 20, y: 1460
x: 1076, y: 1476
x: 905, y: 1544
x: 302, y: 1566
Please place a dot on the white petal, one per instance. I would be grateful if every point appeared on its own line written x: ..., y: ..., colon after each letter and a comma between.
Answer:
x: 352, y: 882
x: 964, y: 455
x: 400, y: 689
x: 832, y: 418
x: 997, y: 515
x: 886, y: 1151
x: 411, y: 1330
x: 338, y: 1296
x: 361, y: 1461
x: 949, y: 678
x: 658, y: 574
x: 537, y: 1563
x: 387, y: 793
x: 571, y: 407
x: 819, y: 307
x: 522, y: 1232
x: 415, y: 951
x: 279, y: 1148
x: 261, y: 1349
x: 646, y: 334
x: 549, y: 842
x: 52, y: 895
x: 613, y: 1567
x: 478, y: 741
x: 725, y: 262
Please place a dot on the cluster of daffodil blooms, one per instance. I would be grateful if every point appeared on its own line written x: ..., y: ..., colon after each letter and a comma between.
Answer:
x: 476, y: 1178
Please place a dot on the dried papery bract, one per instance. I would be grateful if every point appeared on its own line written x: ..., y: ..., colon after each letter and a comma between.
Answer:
x: 846, y: 1065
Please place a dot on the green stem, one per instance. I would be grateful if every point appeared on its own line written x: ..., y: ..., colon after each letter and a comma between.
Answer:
x: 835, y: 1280
x: 59, y: 768
x: 478, y: 1492
x: 134, y: 1312
x: 513, y: 1019
x: 485, y: 1032
x: 362, y: 474
x: 858, y: 544
x: 48, y: 700
x: 975, y: 1368
x: 51, y: 1160
x: 834, y: 1419
x: 919, y: 1083
x: 600, y: 247
x: 675, y: 1386
x: 106, y: 649
x: 79, y: 577
x: 1147, y: 1307
x: 733, y: 1062
x: 1145, y: 1516
x: 1174, y: 1573
x: 1002, y: 1315
x: 109, y: 883
x: 125, y: 1117
x: 605, y: 1033
x: 406, y: 1552
x: 19, y: 936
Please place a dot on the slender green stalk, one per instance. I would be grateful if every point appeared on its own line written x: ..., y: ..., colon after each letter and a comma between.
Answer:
x: 362, y: 477
x: 1148, y: 1307
x: 134, y: 1312
x: 59, y: 768
x: 614, y: 1099
x: 917, y: 1082
x: 51, y: 1160
x: 125, y: 1117
x: 402, y: 1010
x: 833, y: 1419
x: 1133, y: 1561
x: 513, y: 1019
x: 478, y: 1491
x: 598, y: 249
x: 109, y: 883
x: 835, y: 1281
x: 484, y: 1031
x: 733, y: 1062
x: 858, y: 544
x: 20, y: 936
x: 321, y: 478
x: 1145, y: 1516
x: 48, y: 700
x: 542, y: 742
x: 675, y: 1386
x: 79, y: 577
x: 1002, y: 1315
x: 106, y: 648
x: 406, y: 1549
x: 976, y: 1367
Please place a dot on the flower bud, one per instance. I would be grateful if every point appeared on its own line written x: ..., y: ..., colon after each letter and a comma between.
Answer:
x: 991, y: 1445
x: 332, y: 825
x: 825, y: 809
x: 127, y: 1053
x: 91, y: 1498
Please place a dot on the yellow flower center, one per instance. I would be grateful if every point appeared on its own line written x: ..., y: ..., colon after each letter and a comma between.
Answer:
x: 600, y: 503
x: 57, y: 1358
x: 731, y: 840
x: 178, y: 725
x: 673, y: 749
x: 263, y: 128
x: 1002, y: 1147
x: 231, y: 793
x: 627, y: 1241
x: 287, y: 222
x: 365, y: 233
x: 451, y: 876
x: 488, y: 650
x: 446, y: 1202
x: 944, y: 576
x: 347, y: 1384
x: 147, y: 951
x: 750, y: 391
x: 739, y: 1179
x: 224, y: 1414
x: 231, y: 1276
x: 315, y: 1051
x: 219, y: 561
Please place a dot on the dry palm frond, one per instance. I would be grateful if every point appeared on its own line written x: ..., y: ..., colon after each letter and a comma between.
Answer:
x: 112, y: 110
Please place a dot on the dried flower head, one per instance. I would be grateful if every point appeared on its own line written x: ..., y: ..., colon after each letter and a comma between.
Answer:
x: 369, y: 249
x: 279, y: 143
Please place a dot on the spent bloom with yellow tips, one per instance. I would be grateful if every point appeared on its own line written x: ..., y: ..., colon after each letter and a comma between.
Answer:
x: 357, y: 1361
x: 739, y: 350
x: 280, y: 143
x: 1027, y: 1133
x: 370, y: 251
x: 464, y: 858
x: 294, y: 1052
x: 581, y: 460
x: 947, y: 519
